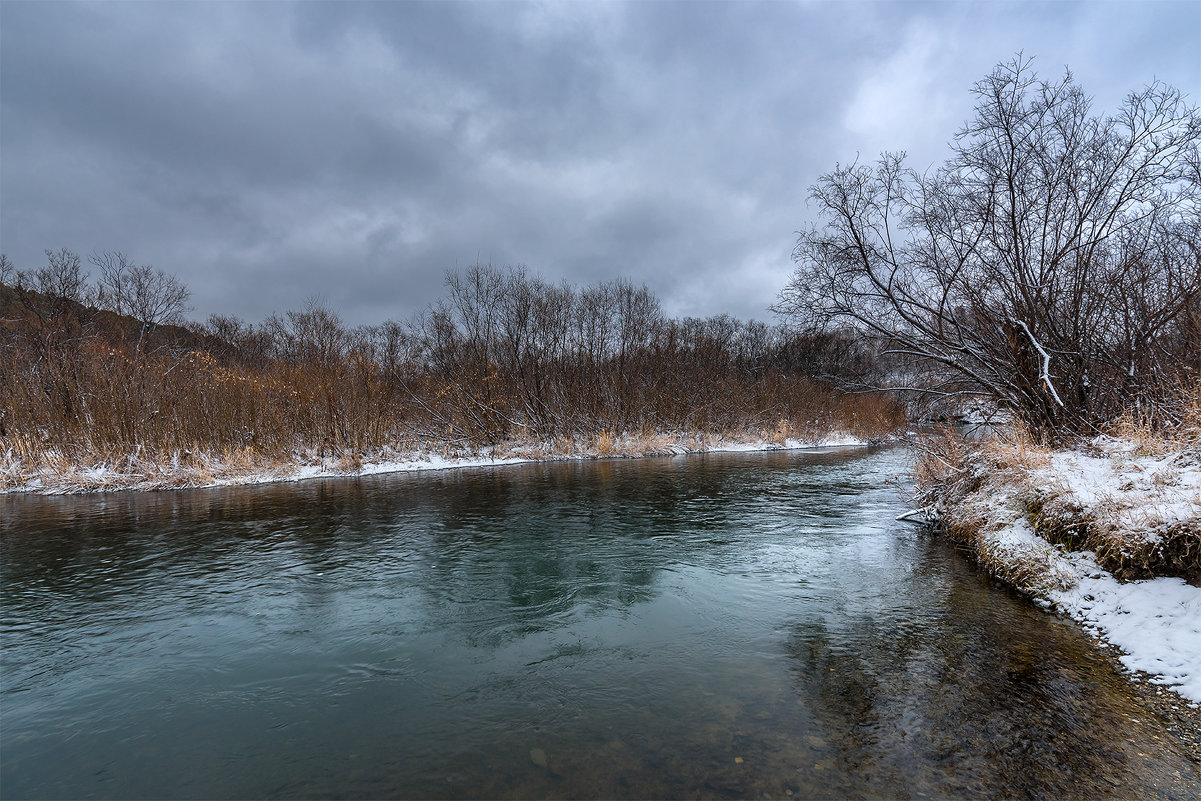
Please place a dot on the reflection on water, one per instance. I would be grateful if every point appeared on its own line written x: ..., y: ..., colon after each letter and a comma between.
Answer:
x: 718, y: 626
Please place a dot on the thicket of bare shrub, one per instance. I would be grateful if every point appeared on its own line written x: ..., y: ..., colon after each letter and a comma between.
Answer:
x: 505, y: 358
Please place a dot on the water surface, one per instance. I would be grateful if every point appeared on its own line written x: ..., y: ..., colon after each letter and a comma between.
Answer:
x: 709, y: 626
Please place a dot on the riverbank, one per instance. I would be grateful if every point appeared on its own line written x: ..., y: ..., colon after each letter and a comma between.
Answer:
x: 1181, y: 718
x: 1108, y: 534
x: 55, y: 474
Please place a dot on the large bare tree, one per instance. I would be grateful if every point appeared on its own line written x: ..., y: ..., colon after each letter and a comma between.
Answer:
x: 1052, y: 262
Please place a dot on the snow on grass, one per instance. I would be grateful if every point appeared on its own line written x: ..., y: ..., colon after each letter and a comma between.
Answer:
x: 1127, y: 501
x: 834, y: 439
x: 60, y: 477
x: 1016, y: 553
x: 1141, y: 493
x: 1156, y: 622
x: 330, y: 468
x: 624, y: 447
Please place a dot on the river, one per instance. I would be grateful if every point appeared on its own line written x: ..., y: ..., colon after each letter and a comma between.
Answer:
x: 725, y: 625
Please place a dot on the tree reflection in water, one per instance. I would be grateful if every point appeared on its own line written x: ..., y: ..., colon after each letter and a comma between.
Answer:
x: 720, y: 626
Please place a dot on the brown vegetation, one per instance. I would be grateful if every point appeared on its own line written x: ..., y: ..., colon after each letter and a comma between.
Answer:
x: 505, y: 360
x: 976, y: 489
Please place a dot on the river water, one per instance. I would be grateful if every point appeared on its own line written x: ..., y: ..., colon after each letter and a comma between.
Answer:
x: 727, y: 625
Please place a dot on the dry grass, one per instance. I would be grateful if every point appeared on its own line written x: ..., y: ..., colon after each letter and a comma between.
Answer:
x: 944, y: 473
x: 1174, y: 427
x: 349, y: 462
x: 976, y: 490
x: 605, y: 445
x: 105, y: 468
x: 99, y: 468
x: 873, y: 417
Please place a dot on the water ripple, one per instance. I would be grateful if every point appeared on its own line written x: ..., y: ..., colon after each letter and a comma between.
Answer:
x: 636, y: 625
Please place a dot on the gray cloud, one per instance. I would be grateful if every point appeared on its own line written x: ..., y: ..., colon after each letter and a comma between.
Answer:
x: 355, y: 151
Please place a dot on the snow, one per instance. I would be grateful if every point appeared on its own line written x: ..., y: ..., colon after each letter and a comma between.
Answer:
x: 437, y: 462
x: 329, y: 468
x: 835, y: 440
x: 106, y: 477
x: 1142, y: 493
x: 1157, y: 622
x: 1045, y: 375
x: 1135, y: 495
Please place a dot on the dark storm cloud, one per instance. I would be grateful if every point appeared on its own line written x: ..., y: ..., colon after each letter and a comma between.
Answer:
x: 355, y: 151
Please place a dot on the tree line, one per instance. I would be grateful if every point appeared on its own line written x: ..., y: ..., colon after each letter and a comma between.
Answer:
x: 1051, y: 266
x: 111, y: 366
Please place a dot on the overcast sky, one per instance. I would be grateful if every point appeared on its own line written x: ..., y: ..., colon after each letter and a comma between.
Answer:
x: 269, y: 152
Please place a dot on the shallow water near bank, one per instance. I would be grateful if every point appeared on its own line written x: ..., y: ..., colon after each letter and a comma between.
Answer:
x: 724, y: 625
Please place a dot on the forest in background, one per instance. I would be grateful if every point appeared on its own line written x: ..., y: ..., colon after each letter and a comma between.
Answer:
x: 105, y: 370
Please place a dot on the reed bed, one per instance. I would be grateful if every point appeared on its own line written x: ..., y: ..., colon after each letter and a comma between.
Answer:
x: 507, y: 364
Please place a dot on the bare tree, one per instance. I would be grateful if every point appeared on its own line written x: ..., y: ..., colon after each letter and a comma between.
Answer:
x: 8, y: 271
x: 63, y: 277
x: 149, y: 295
x: 1047, y: 263
x: 317, y: 335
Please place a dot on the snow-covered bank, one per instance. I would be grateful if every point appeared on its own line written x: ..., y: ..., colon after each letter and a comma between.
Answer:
x: 1157, y: 622
x: 1058, y: 525
x: 58, y: 476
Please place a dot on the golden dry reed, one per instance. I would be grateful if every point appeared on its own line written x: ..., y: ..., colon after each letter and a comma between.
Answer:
x: 506, y: 360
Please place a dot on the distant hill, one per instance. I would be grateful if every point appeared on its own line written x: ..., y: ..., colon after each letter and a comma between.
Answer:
x: 29, y: 312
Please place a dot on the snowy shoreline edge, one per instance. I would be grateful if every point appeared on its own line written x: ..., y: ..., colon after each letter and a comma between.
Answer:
x: 81, y: 479
x: 1023, y: 512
